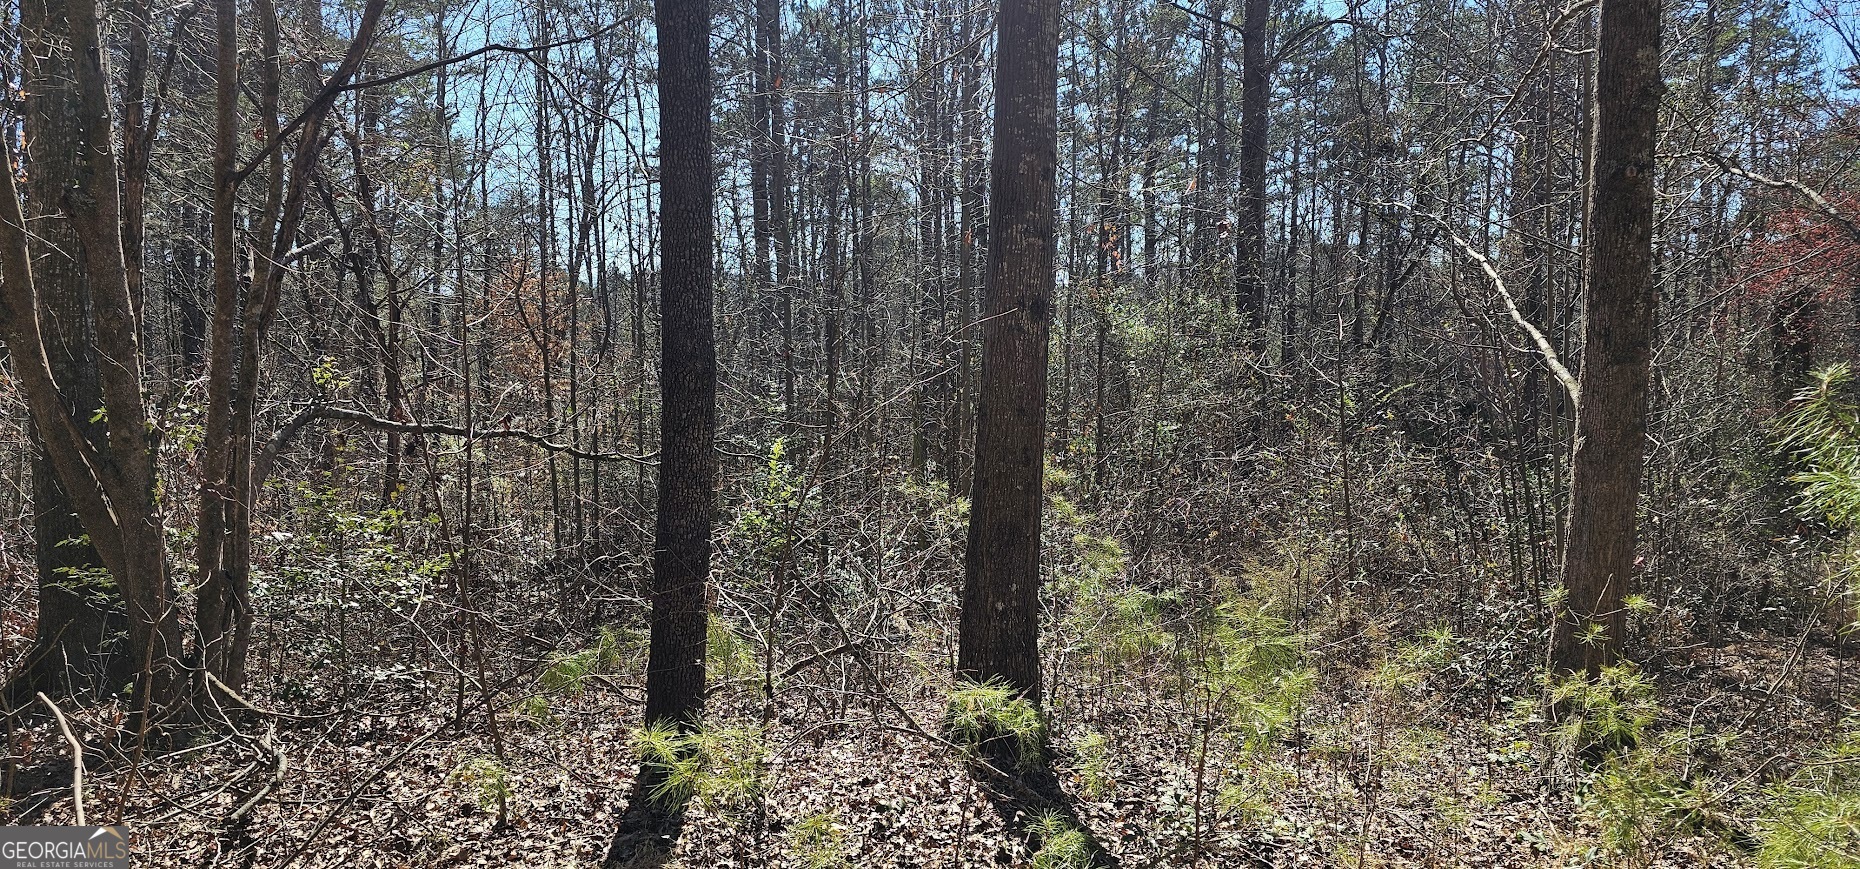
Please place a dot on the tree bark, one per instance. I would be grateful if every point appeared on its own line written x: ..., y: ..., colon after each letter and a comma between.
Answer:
x: 112, y: 485
x: 688, y: 409
x: 215, y: 612
x: 1000, y: 624
x: 1611, y: 422
x: 78, y: 610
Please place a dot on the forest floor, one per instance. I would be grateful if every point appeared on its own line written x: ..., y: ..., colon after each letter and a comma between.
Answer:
x: 1366, y: 777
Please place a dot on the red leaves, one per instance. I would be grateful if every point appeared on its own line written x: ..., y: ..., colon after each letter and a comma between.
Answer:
x: 1798, y: 251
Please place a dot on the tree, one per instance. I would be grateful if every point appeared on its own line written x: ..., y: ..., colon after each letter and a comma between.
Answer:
x: 112, y: 485
x: 1254, y: 89
x: 79, y: 611
x: 688, y: 369
x: 1611, y: 420
x: 227, y: 493
x: 1000, y: 628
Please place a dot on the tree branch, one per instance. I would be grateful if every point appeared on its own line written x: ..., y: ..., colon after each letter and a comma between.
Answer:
x: 1806, y: 193
x: 1542, y: 343
x: 319, y: 411
x: 77, y: 757
x: 341, y: 83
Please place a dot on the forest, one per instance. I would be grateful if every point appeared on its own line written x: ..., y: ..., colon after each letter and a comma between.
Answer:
x: 931, y: 433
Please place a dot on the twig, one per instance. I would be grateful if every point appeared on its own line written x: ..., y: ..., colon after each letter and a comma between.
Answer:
x: 817, y: 657
x: 77, y: 757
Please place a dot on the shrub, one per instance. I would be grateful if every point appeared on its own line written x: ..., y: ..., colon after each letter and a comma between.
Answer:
x: 1252, y: 666
x: 487, y: 779
x: 1604, y: 713
x: 1062, y: 846
x: 1814, y: 818
x: 819, y: 841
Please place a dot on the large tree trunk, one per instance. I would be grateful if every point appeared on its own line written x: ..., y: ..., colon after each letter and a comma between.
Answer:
x: 111, y: 485
x: 79, y: 610
x: 1611, y: 420
x: 1000, y: 628
x: 688, y: 410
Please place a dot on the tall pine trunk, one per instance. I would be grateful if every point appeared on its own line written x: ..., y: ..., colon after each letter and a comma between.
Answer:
x: 1000, y: 628
x: 1611, y: 418
x: 1254, y: 87
x: 688, y: 410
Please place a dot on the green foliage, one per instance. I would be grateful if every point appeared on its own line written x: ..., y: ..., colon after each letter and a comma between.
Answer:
x: 568, y: 674
x: 1644, y: 787
x: 726, y: 654
x: 991, y: 711
x: 720, y: 767
x: 1408, y: 668
x: 767, y: 521
x: 1252, y: 667
x: 1118, y: 623
x: 1607, y: 712
x: 1814, y: 818
x: 818, y: 841
x: 1253, y: 798
x: 328, y: 377
x: 487, y: 778
x: 1092, y: 764
x: 1640, y: 796
x: 1062, y: 846
x: 1824, y: 432
x: 92, y: 583
x: 365, y: 547
x: 535, y: 710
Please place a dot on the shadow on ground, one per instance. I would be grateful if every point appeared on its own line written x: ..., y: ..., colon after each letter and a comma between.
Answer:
x: 648, y: 829
x: 1023, y: 795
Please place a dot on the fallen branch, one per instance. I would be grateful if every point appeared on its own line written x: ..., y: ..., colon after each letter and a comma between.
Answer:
x: 278, y: 764
x: 221, y: 689
x: 77, y: 757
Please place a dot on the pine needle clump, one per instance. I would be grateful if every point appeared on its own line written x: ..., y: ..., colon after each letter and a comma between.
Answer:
x: 818, y: 841
x: 980, y: 714
x: 1062, y: 846
x: 1823, y: 430
x: 1814, y: 818
x: 719, y: 767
